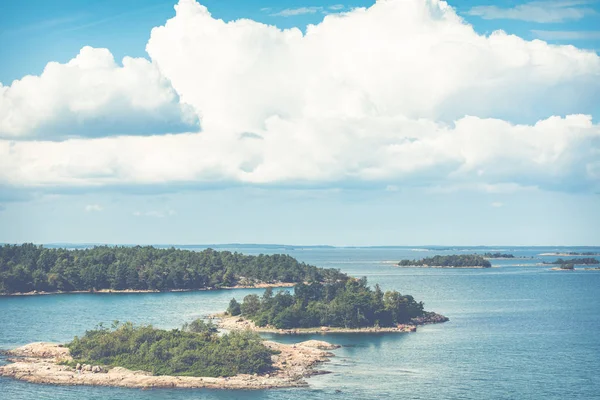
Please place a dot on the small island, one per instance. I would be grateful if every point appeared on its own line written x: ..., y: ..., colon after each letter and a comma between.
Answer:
x: 192, y: 357
x: 571, y: 253
x: 450, y: 261
x: 31, y: 269
x: 346, y: 306
x: 564, y: 267
x: 574, y: 261
x: 498, y: 255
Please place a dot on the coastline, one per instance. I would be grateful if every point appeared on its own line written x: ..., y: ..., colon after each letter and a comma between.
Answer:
x: 239, y: 323
x: 41, y: 363
x: 569, y: 255
x: 441, y: 266
x: 261, y: 285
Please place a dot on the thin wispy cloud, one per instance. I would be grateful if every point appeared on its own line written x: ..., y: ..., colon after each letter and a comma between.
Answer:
x: 497, y: 204
x: 291, y: 12
x: 155, y: 213
x: 93, y: 208
x: 537, y: 11
x: 566, y: 35
x: 336, y: 7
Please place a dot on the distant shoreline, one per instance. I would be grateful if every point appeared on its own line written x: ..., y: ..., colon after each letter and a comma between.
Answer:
x: 136, y: 291
x: 442, y: 266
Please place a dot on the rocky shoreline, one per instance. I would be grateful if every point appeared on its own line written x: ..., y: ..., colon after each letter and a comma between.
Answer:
x: 239, y: 323
x: 260, y: 285
x: 44, y: 363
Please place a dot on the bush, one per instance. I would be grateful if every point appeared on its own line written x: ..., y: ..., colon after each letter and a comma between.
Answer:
x: 175, y: 352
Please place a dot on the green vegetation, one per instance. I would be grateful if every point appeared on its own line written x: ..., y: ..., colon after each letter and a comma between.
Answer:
x: 457, y: 261
x: 194, y: 351
x: 348, y: 304
x: 27, y: 267
x: 498, y: 255
x: 567, y: 266
x: 575, y: 261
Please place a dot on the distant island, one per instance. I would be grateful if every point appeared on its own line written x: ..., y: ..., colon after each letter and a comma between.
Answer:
x: 343, y: 306
x: 33, y: 269
x: 145, y: 357
x: 571, y: 253
x: 565, y: 267
x: 450, y: 261
x: 498, y: 255
x: 574, y: 261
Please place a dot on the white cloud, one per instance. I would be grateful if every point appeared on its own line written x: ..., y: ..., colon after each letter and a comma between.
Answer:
x: 155, y: 213
x: 553, y: 153
x: 336, y: 7
x: 292, y: 12
x: 92, y: 96
x: 404, y: 92
x: 566, y: 35
x: 537, y: 11
x: 497, y: 204
x: 93, y: 208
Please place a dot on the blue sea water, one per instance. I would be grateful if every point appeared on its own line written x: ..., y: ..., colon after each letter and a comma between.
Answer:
x: 516, y: 331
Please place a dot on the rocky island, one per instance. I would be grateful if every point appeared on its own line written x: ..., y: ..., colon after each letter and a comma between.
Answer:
x: 451, y: 261
x: 348, y: 306
x: 189, y: 358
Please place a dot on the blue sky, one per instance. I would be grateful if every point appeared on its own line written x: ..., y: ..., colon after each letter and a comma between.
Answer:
x: 499, y: 154
x: 34, y: 32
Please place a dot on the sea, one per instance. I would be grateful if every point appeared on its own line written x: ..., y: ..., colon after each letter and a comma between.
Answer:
x: 516, y: 331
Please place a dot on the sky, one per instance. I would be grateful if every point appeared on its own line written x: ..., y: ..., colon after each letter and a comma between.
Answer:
x: 389, y: 122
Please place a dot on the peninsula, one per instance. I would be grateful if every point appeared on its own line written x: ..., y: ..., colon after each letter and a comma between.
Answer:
x: 450, y: 261
x: 144, y: 357
x: 31, y: 269
x: 344, y: 306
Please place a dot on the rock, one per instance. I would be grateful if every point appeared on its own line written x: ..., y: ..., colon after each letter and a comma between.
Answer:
x: 78, y: 367
x: 319, y: 344
x: 96, y: 369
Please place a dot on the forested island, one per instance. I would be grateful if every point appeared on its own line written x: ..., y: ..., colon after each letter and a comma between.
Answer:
x: 450, y: 261
x: 145, y: 357
x: 498, y: 255
x: 575, y: 261
x: 349, y: 304
x: 30, y: 268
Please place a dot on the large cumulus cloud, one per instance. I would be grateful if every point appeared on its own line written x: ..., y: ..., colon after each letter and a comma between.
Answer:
x: 92, y: 96
x: 403, y: 92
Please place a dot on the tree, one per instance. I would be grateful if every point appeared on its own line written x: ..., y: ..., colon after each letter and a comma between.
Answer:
x: 234, y: 308
x: 250, y: 305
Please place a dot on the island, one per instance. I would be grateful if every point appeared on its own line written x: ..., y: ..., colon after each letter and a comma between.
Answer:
x: 349, y: 306
x: 32, y: 269
x: 571, y: 253
x: 498, y: 255
x: 574, y: 261
x: 145, y: 357
x: 450, y: 261
x: 564, y: 267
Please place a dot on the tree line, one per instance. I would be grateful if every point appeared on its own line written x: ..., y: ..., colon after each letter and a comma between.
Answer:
x: 29, y: 267
x: 498, y: 255
x: 575, y: 261
x: 462, y: 260
x: 196, y: 350
x: 349, y: 304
